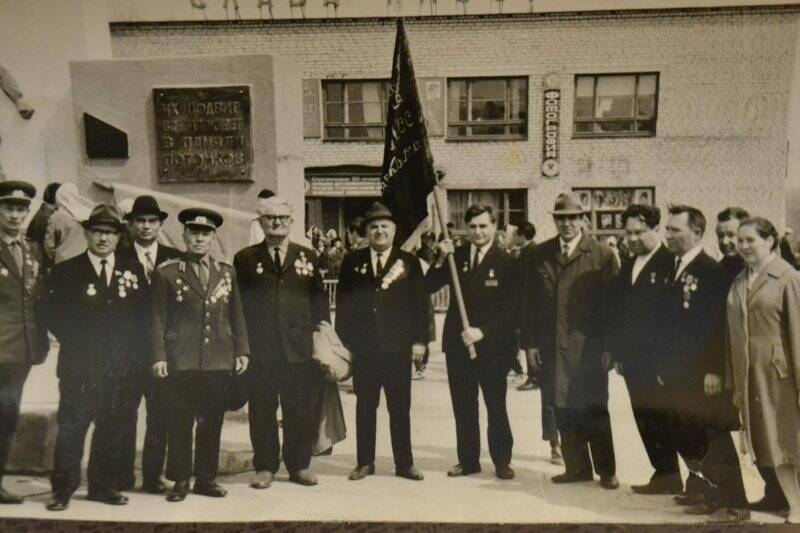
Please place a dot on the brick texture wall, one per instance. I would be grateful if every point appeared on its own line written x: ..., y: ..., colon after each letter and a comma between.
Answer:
x: 722, y: 106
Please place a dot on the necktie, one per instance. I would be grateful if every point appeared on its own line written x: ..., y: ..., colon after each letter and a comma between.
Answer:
x: 475, y: 254
x: 379, y: 264
x: 148, y: 264
x: 678, y: 261
x: 278, y: 258
x: 104, y: 272
x: 565, y: 251
x: 16, y: 250
x: 202, y: 273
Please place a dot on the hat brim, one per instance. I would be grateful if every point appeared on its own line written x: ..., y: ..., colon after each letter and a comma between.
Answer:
x: 569, y: 212
x: 90, y: 224
x: 379, y: 217
x: 200, y: 225
x: 16, y: 200
x: 160, y: 214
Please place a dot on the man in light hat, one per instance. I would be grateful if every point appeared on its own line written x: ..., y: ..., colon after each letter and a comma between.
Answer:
x: 23, y: 337
x: 144, y: 221
x: 284, y: 301
x: 198, y: 340
x: 96, y: 302
x: 382, y: 317
x: 565, y: 309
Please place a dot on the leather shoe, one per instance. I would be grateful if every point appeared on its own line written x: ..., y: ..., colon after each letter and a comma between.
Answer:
x: 609, y: 482
x: 409, y: 472
x: 107, y: 496
x: 262, y: 480
x: 57, y: 503
x: 461, y: 470
x: 9, y: 497
x: 209, y: 488
x: 571, y: 478
x: 668, y: 484
x: 360, y: 472
x: 303, y: 477
x: 769, y: 505
x: 702, y: 508
x: 729, y: 514
x: 504, y: 472
x: 159, y: 487
x: 688, y: 498
x: 178, y: 491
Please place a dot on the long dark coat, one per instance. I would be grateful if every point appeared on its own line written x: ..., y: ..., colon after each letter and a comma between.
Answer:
x: 565, y: 311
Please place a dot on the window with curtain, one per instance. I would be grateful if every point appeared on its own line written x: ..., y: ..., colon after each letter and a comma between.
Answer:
x: 615, y: 105
x: 510, y: 206
x: 494, y: 108
x: 354, y: 110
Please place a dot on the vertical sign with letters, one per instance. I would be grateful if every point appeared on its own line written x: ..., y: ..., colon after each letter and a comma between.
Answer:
x: 203, y: 133
x: 550, y: 133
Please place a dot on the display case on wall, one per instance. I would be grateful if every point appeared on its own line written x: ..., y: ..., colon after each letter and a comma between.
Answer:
x: 606, y: 204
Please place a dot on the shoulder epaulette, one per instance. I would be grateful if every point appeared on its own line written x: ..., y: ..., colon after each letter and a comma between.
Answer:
x: 169, y: 262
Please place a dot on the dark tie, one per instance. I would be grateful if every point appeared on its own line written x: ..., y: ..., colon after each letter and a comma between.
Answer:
x: 678, y: 261
x: 278, y: 258
x: 565, y: 251
x: 148, y: 265
x: 16, y: 250
x: 379, y: 264
x: 104, y: 272
x: 475, y: 255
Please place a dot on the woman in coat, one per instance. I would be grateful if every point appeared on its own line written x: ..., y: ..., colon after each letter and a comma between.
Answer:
x: 764, y: 355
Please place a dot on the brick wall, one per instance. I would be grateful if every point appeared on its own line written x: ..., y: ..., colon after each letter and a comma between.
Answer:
x: 722, y: 109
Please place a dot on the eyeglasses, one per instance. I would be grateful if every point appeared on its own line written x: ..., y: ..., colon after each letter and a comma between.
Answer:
x: 282, y: 219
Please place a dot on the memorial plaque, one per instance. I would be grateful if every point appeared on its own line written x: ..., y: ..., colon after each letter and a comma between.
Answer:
x: 203, y: 133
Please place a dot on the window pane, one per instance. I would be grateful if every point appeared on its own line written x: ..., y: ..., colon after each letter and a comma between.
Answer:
x: 334, y: 133
x: 491, y: 110
x: 516, y: 217
x: 373, y: 112
x: 584, y: 127
x: 646, y: 106
x: 457, y: 90
x: 333, y: 92
x: 647, y: 85
x: 583, y: 107
x: 615, y: 96
x: 622, y: 126
x: 355, y: 113
x: 518, y: 88
x: 356, y: 132
x: 372, y: 91
x: 375, y: 133
x: 488, y: 130
x: 646, y: 126
x: 334, y: 112
x: 519, y: 110
x: 518, y: 130
x: 489, y: 89
x: 355, y: 92
x: 516, y: 200
x: 584, y: 87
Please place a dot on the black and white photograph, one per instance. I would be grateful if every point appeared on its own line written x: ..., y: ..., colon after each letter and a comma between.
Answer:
x: 399, y: 264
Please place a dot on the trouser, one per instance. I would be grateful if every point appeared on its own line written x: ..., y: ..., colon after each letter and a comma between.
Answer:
x: 465, y: 377
x: 195, y: 396
x: 548, y: 401
x: 132, y: 388
x: 392, y: 373
x: 81, y: 402
x: 653, y: 422
x: 12, y: 380
x: 772, y: 489
x: 295, y: 387
x: 585, y: 430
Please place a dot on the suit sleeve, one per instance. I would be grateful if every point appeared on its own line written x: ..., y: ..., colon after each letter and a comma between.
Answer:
x: 158, y: 324
x: 509, y: 298
x: 241, y: 345
x: 344, y: 289
x: 530, y: 289
x: 437, y: 277
x: 320, y: 307
x: 422, y: 301
x: 714, y: 360
x: 791, y: 325
x: 57, y: 315
x: 609, y: 280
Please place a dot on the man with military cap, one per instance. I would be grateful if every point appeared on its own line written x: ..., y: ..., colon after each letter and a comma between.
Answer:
x: 382, y: 317
x: 23, y: 337
x: 144, y: 223
x: 95, y: 306
x: 198, y: 339
x: 284, y: 300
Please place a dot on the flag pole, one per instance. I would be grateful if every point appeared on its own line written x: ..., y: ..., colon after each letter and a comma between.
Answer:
x: 451, y: 262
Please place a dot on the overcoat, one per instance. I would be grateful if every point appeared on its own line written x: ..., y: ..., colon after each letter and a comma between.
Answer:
x: 566, y: 311
x: 764, y: 361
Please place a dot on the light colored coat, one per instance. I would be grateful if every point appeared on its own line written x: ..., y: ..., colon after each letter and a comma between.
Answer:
x: 764, y: 361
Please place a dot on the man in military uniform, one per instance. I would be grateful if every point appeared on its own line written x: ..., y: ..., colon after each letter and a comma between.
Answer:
x: 144, y: 222
x: 95, y: 304
x: 284, y: 300
x: 23, y: 338
x: 382, y: 317
x: 199, y: 338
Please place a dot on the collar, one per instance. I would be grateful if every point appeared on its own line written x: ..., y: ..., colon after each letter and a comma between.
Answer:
x: 95, y: 259
x: 481, y: 250
x: 690, y: 256
x: 752, y: 274
x: 385, y: 254
x: 645, y: 258
x: 283, y: 247
x: 195, y: 259
x: 571, y: 245
x: 8, y: 239
x: 141, y: 250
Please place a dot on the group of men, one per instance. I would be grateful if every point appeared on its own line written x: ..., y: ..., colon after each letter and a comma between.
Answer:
x: 180, y: 329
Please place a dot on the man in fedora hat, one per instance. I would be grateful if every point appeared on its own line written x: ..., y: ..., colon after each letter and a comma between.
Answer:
x: 284, y: 300
x: 382, y: 317
x: 23, y: 337
x: 144, y: 222
x: 199, y: 339
x: 96, y: 304
x: 565, y: 309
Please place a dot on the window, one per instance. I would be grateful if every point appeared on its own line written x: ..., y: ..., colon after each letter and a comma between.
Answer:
x: 493, y: 108
x: 616, y: 105
x: 605, y: 206
x: 355, y: 110
x: 510, y: 206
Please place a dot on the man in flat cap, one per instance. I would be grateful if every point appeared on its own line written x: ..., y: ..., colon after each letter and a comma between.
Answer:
x: 198, y: 340
x: 382, y: 317
x: 284, y: 300
x: 144, y: 222
x: 95, y: 304
x: 23, y: 337
x: 564, y: 328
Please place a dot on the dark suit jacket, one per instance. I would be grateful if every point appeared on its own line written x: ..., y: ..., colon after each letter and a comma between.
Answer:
x: 638, y: 313
x: 101, y: 329
x: 281, y: 307
x: 566, y: 307
x: 164, y: 253
x: 23, y: 336
x: 196, y: 329
x: 371, y: 319
x: 491, y: 296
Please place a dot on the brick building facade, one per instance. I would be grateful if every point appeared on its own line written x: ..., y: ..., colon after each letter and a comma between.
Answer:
x: 683, y: 105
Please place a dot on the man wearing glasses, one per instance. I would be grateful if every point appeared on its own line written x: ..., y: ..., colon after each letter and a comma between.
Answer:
x: 284, y: 300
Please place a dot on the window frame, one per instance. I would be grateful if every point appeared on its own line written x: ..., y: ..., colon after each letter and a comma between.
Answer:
x: 634, y: 118
x: 472, y: 123
x: 502, y: 215
x: 347, y: 126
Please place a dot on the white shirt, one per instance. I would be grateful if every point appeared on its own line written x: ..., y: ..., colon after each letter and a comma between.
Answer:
x: 641, y: 261
x: 384, y: 257
x: 687, y: 258
x: 571, y: 245
x: 481, y: 253
x: 282, y: 250
x: 141, y: 250
x: 97, y: 266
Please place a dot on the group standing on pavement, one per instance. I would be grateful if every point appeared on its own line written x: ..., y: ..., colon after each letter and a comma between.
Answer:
x: 705, y: 347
